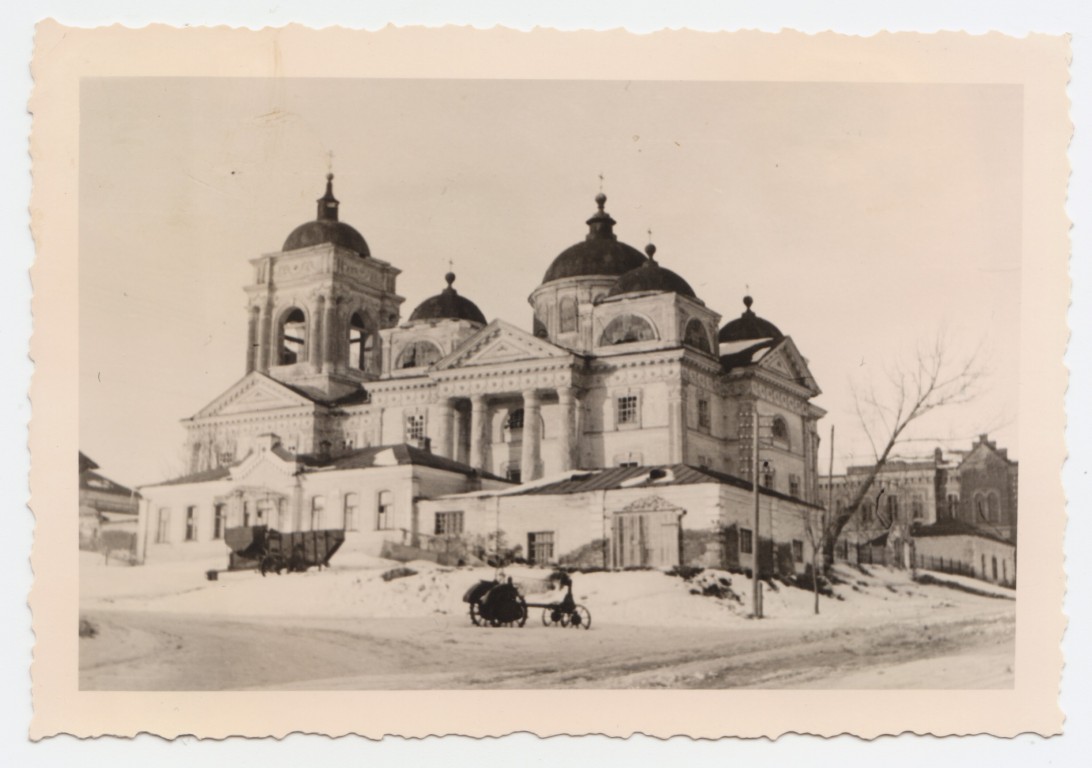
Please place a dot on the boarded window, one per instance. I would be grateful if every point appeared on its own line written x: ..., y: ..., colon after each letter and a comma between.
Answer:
x: 540, y: 547
x: 568, y: 315
x: 449, y: 523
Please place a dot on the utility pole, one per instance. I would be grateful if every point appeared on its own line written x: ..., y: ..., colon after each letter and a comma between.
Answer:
x: 756, y: 584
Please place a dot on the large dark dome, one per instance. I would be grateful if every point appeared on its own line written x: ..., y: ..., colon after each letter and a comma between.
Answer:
x: 448, y: 305
x: 326, y: 228
x: 601, y: 253
x: 650, y: 276
x: 749, y: 327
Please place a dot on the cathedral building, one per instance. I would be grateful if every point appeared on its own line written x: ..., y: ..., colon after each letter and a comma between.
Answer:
x: 623, y: 366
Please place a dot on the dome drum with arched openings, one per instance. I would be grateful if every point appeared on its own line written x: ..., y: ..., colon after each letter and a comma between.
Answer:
x: 448, y: 305
x: 326, y: 228
x: 601, y: 252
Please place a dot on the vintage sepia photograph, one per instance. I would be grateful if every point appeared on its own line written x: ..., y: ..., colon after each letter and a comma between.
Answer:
x: 447, y: 384
x: 673, y: 384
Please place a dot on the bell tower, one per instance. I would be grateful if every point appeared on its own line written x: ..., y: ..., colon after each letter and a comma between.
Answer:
x: 315, y: 308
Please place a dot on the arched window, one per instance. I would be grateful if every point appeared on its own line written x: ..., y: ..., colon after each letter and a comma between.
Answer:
x: 538, y: 328
x: 993, y: 503
x: 980, y: 514
x: 568, y: 315
x: 866, y: 511
x: 384, y: 510
x: 318, y: 512
x: 417, y: 354
x: 779, y: 430
x: 696, y: 336
x: 361, y: 343
x: 917, y: 508
x: 352, y: 510
x: 293, y: 337
x: 626, y: 329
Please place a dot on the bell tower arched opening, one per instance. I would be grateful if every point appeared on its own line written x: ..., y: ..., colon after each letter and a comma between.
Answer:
x: 292, y: 339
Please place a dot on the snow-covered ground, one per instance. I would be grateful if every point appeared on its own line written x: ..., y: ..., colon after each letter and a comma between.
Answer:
x: 357, y: 590
x: 167, y: 627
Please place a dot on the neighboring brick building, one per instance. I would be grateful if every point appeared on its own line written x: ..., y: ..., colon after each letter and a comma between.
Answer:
x: 925, y: 497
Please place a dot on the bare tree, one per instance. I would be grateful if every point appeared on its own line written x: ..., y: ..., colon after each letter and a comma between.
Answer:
x: 938, y: 378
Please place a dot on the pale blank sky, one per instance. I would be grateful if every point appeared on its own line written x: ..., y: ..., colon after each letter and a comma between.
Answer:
x: 862, y: 218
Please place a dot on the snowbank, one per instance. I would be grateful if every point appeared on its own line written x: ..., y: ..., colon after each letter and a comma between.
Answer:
x: 637, y: 598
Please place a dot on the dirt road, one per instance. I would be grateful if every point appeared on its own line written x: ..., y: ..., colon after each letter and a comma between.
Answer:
x: 161, y: 651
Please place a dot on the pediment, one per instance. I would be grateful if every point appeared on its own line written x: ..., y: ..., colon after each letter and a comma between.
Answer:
x: 785, y: 361
x: 264, y: 469
x: 500, y: 342
x: 651, y: 504
x: 254, y: 392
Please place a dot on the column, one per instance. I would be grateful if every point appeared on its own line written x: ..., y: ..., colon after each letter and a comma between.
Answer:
x: 566, y: 397
x: 677, y: 424
x: 530, y: 465
x: 314, y: 344
x: 253, y: 318
x: 264, y: 332
x: 440, y: 427
x: 331, y: 336
x: 478, y: 418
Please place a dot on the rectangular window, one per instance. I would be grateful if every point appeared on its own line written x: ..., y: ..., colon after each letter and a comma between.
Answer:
x: 794, y: 486
x: 282, y: 514
x: 415, y: 427
x: 704, y: 420
x: 746, y: 542
x: 384, y: 506
x: 162, y: 527
x: 512, y: 473
x: 246, y: 513
x: 797, y: 551
x: 318, y: 512
x: 917, y: 509
x: 953, y: 505
x: 704, y: 461
x: 768, y: 478
x: 449, y: 523
x: 352, y: 505
x: 540, y: 547
x: 627, y: 409
x: 191, y: 523
x: 264, y: 512
x: 219, y: 521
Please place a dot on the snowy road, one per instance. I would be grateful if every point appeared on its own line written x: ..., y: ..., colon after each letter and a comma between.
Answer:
x: 147, y: 650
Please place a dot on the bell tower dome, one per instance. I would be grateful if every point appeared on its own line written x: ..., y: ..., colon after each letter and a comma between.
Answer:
x: 317, y: 305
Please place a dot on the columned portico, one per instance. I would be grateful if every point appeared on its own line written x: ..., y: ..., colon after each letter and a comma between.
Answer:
x: 567, y: 444
x: 530, y: 465
x: 443, y: 436
x: 478, y: 414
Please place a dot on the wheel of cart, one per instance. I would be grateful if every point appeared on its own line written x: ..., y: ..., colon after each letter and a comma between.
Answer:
x: 580, y: 618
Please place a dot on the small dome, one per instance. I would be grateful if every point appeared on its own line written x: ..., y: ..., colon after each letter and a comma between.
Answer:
x: 326, y: 228
x: 650, y: 276
x: 448, y: 305
x: 749, y: 327
x: 601, y: 253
